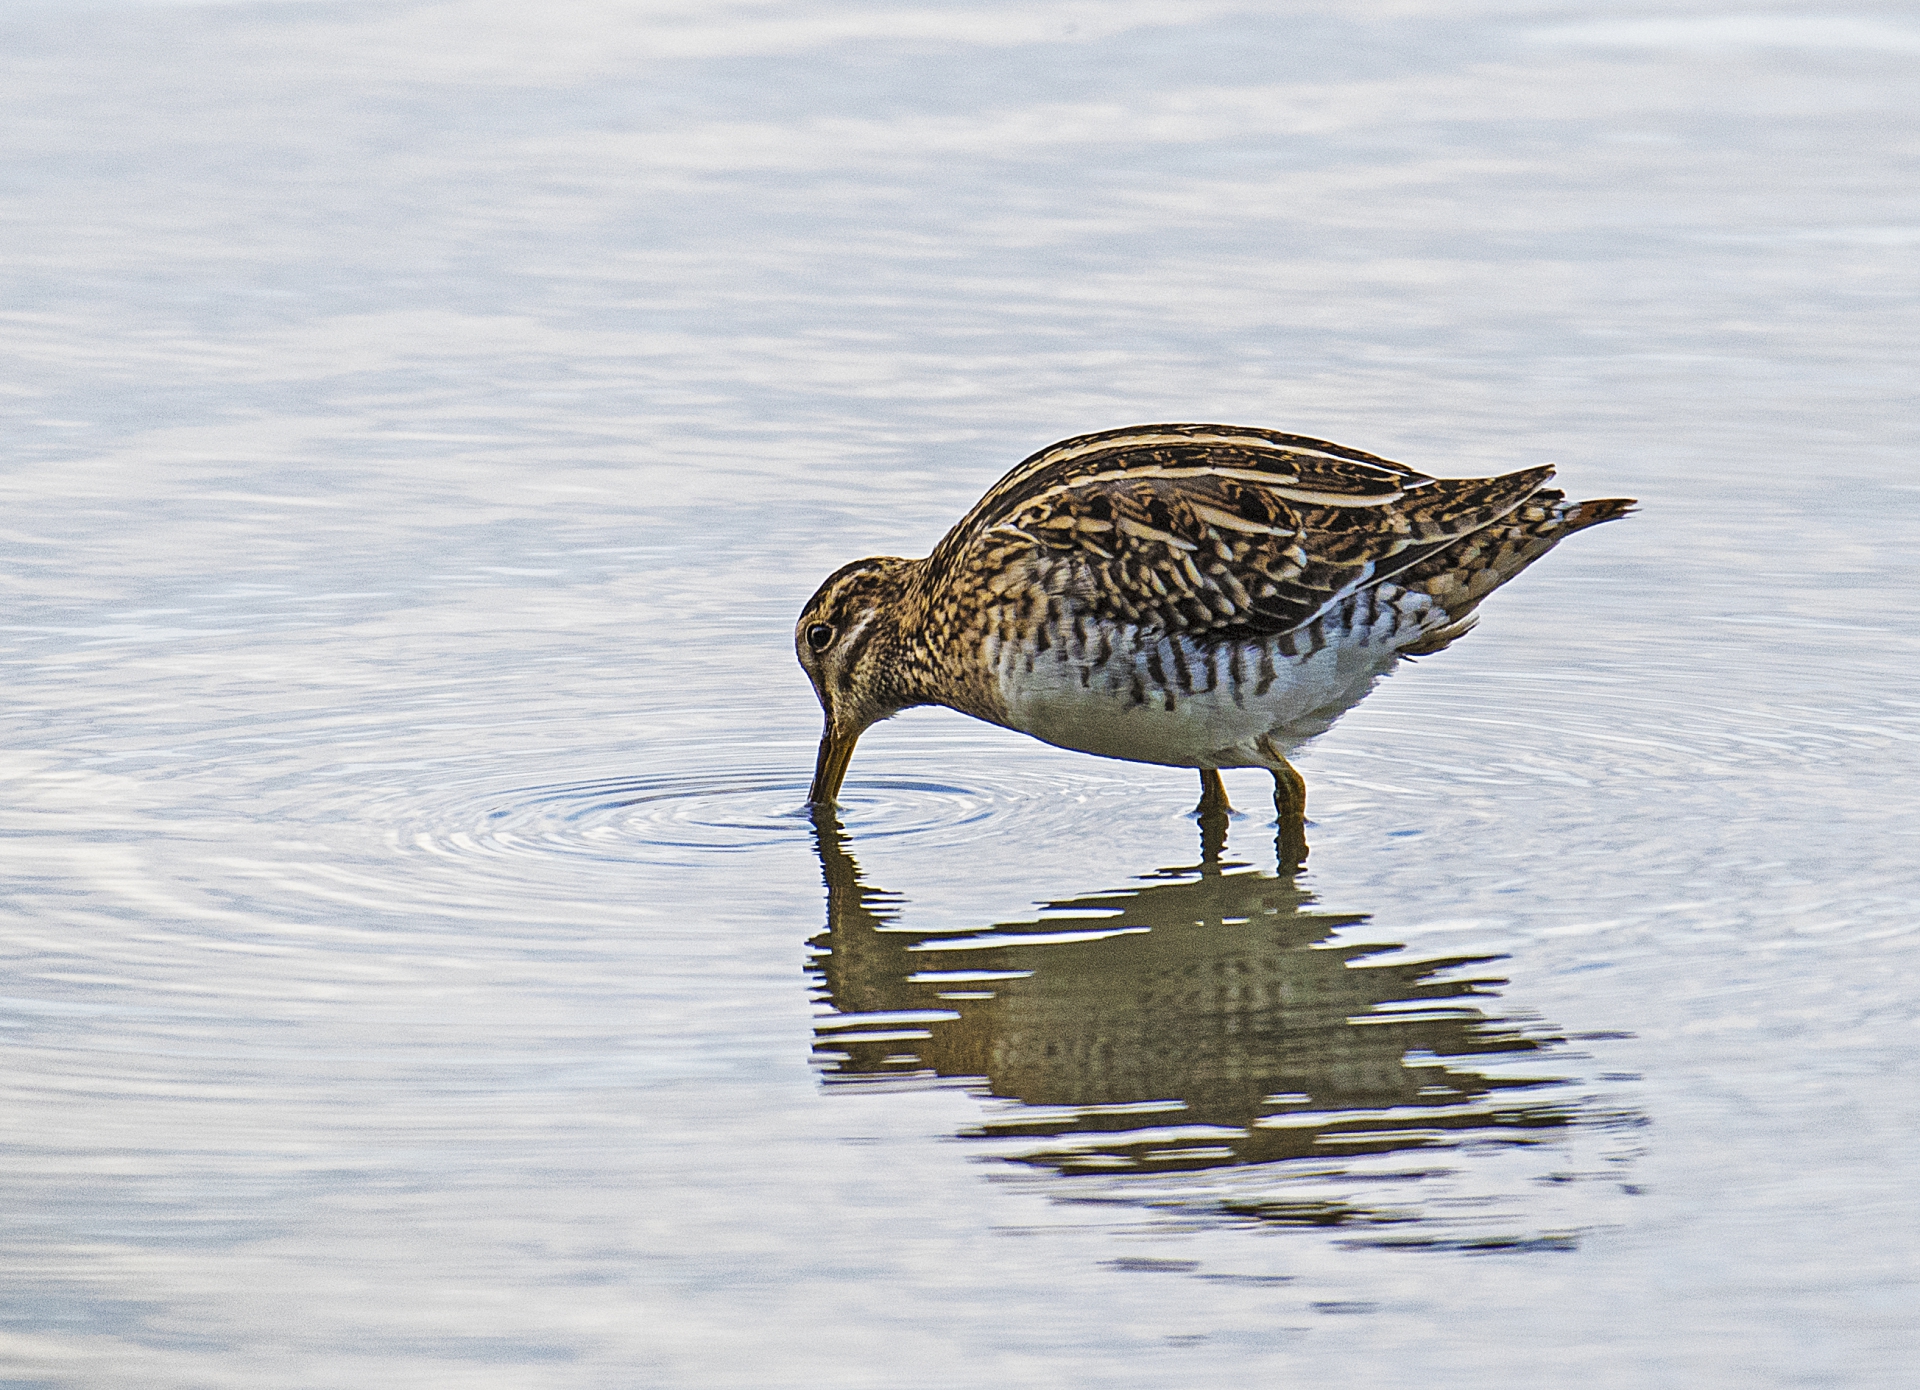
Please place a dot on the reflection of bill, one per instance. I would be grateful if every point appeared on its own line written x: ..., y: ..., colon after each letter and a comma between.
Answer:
x: 1195, y: 1022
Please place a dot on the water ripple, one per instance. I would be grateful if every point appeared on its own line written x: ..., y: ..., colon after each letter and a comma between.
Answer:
x: 662, y: 818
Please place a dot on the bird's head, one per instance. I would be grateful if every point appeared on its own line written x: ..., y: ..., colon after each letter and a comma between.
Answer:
x: 845, y: 640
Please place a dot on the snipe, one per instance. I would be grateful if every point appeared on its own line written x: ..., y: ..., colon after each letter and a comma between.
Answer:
x: 1201, y: 596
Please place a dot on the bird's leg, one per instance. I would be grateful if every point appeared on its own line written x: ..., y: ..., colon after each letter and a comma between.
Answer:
x: 1213, y: 794
x: 1290, y: 804
x: 1213, y: 811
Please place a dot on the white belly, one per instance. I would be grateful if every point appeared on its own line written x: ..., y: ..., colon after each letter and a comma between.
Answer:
x: 1167, y: 700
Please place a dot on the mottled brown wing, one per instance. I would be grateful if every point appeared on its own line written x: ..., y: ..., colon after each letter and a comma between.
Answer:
x: 1267, y: 455
x: 1202, y: 534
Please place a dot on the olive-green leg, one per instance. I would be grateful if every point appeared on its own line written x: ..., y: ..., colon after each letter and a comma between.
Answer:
x: 1290, y: 805
x: 1213, y: 794
x: 1213, y: 811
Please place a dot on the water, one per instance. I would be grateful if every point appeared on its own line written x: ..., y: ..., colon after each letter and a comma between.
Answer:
x: 424, y: 423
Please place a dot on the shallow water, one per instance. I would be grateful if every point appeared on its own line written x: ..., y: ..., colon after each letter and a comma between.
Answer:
x: 419, y: 969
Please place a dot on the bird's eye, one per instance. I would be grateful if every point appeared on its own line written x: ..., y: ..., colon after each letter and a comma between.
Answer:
x: 820, y: 636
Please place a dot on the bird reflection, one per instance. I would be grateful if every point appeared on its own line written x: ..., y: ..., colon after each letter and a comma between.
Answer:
x: 1204, y: 1018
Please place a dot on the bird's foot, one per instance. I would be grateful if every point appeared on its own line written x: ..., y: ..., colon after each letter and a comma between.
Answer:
x: 1213, y: 795
x: 1212, y: 813
x: 1290, y: 807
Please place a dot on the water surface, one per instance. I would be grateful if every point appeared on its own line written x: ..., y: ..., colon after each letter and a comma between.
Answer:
x: 424, y: 424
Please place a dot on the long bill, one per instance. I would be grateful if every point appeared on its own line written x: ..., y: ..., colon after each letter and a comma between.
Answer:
x: 830, y: 768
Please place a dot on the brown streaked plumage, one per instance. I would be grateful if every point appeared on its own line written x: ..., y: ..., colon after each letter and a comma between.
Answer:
x: 1201, y: 596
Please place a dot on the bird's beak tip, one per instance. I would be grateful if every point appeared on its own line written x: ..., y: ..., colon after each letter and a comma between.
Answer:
x: 830, y: 768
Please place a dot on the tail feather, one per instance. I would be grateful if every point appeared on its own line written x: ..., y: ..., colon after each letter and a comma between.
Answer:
x: 1597, y: 510
x: 1441, y: 638
x: 1463, y: 574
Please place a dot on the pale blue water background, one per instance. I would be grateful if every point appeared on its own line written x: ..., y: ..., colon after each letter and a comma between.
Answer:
x: 424, y: 421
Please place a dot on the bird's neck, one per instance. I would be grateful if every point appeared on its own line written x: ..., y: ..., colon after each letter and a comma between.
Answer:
x: 931, y: 654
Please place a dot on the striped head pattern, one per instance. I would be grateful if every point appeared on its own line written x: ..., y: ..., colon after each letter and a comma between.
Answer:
x: 847, y: 642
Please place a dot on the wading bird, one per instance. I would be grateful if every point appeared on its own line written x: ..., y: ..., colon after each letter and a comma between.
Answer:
x: 1200, y: 596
